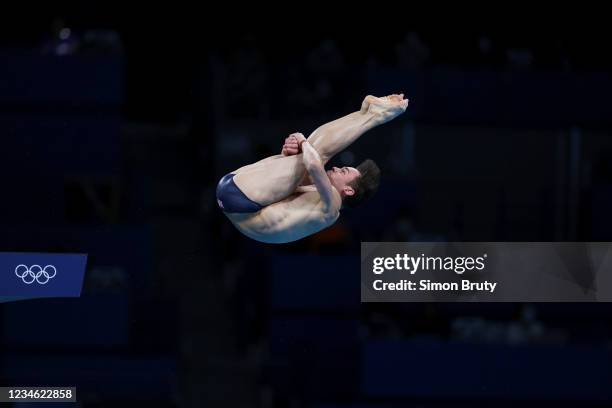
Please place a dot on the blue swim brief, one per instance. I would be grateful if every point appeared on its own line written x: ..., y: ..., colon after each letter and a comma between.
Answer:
x: 231, y: 199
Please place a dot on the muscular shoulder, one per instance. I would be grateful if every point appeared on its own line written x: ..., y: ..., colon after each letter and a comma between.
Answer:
x: 308, y: 208
x: 331, y: 215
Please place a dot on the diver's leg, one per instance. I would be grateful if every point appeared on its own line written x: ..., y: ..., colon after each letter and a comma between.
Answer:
x: 250, y: 166
x: 333, y: 137
x: 275, y: 178
x: 269, y: 181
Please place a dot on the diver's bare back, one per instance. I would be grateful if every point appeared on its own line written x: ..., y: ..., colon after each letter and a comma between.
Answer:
x: 297, y: 216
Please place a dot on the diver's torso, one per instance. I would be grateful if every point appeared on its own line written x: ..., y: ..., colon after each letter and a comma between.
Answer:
x: 293, y: 218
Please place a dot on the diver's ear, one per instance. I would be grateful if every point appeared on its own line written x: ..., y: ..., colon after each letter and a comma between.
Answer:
x: 348, y: 191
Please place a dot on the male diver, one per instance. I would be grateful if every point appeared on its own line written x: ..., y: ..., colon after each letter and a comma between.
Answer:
x: 289, y: 196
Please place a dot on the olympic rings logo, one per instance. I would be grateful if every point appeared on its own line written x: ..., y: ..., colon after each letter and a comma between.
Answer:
x: 35, y: 273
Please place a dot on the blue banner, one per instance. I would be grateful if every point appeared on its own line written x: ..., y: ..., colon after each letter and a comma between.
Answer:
x: 40, y: 275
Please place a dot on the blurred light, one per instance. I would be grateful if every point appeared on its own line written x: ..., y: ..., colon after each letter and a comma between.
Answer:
x: 64, y: 33
x: 62, y: 49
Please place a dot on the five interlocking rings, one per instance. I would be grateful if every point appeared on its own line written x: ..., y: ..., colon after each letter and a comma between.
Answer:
x: 35, y: 273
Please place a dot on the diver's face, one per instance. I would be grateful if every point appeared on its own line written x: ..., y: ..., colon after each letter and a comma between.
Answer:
x: 342, y: 177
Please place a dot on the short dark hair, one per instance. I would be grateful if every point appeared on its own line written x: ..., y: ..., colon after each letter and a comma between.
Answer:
x: 365, y: 185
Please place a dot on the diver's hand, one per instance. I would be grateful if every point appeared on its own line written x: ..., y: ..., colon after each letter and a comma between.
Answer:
x: 292, y: 144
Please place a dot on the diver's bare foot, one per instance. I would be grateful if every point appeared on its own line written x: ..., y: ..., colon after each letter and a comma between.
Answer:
x: 385, y: 108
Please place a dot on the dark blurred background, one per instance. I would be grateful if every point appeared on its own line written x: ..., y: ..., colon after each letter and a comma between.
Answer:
x: 116, y: 130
